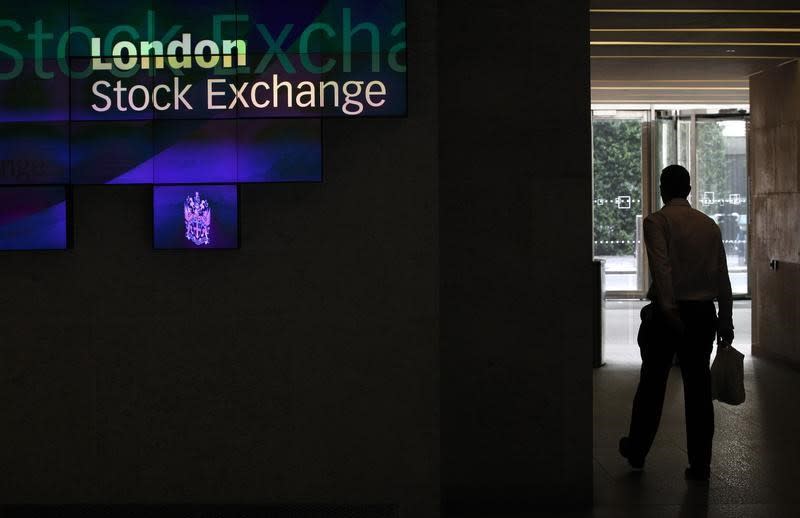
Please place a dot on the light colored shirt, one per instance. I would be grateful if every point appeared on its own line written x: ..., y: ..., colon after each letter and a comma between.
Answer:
x: 687, y: 258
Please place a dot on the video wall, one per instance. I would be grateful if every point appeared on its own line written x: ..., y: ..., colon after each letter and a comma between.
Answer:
x: 192, y: 97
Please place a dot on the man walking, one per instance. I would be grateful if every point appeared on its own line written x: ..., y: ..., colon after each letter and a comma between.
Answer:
x: 689, y: 270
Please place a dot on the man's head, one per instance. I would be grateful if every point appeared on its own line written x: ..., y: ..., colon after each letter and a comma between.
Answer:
x: 675, y: 183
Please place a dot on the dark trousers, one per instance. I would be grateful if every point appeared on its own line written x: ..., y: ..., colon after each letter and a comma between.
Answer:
x: 694, y: 352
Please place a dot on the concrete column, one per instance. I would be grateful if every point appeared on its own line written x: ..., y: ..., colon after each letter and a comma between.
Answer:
x: 775, y: 197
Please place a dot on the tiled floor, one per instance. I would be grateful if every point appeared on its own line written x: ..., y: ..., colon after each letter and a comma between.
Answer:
x: 756, y: 458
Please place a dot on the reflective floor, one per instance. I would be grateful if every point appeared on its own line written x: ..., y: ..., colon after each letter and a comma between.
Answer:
x: 756, y: 458
x: 755, y: 467
x: 621, y: 273
x: 621, y: 324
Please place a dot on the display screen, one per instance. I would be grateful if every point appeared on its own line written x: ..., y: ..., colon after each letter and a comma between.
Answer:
x: 34, y: 153
x: 33, y: 218
x: 203, y: 59
x: 195, y: 217
x: 278, y: 150
x: 155, y: 92
x: 195, y: 151
x: 188, y: 96
x: 111, y: 152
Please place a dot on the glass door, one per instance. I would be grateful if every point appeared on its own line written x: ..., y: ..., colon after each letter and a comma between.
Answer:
x: 713, y: 147
x: 620, y: 161
x: 722, y: 187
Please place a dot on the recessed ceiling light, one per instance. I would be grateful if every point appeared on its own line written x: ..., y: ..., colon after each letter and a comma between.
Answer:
x: 730, y: 51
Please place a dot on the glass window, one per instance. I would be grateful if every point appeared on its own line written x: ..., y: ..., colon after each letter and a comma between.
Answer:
x: 721, y: 190
x: 617, y: 171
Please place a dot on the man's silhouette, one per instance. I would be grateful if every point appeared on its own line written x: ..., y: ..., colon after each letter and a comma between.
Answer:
x: 689, y: 270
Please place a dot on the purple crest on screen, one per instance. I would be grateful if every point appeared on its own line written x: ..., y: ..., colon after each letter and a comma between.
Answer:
x: 197, y: 216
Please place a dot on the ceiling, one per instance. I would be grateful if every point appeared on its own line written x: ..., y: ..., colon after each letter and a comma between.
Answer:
x: 686, y: 52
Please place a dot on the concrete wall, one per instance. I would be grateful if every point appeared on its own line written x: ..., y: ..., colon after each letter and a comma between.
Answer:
x: 516, y: 254
x: 301, y: 368
x: 775, y: 209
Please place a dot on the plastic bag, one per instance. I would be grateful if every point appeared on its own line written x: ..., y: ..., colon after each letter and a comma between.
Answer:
x: 727, y: 376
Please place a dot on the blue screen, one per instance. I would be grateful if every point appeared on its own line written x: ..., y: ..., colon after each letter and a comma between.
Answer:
x: 33, y: 218
x: 185, y: 95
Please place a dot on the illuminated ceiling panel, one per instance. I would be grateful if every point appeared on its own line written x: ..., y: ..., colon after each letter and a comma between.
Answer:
x: 645, y: 51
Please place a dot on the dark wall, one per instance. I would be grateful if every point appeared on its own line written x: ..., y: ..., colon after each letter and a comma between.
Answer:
x: 305, y: 367
x: 301, y: 368
x: 775, y: 228
x: 515, y: 232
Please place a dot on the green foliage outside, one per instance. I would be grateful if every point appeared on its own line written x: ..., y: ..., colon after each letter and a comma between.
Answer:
x: 618, y: 172
x: 711, y: 163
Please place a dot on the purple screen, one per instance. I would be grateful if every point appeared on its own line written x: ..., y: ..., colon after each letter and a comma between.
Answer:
x: 195, y: 217
x: 33, y: 218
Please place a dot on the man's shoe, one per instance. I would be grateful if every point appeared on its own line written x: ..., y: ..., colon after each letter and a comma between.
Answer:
x: 636, y: 462
x: 702, y: 474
